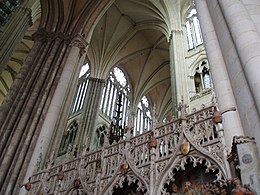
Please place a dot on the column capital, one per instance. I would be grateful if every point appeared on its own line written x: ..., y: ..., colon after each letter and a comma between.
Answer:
x: 175, y: 32
x: 42, y: 35
x: 80, y: 42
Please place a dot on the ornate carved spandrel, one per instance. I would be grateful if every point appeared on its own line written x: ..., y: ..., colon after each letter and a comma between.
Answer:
x: 129, y: 182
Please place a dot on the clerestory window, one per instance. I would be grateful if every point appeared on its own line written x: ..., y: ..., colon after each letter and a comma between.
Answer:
x: 101, y: 133
x: 68, y: 138
x: 81, y: 89
x: 193, y: 30
x: 143, y: 119
x: 202, y: 79
x: 116, y: 84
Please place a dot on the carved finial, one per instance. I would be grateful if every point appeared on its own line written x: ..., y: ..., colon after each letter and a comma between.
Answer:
x: 182, y: 109
x: 214, y: 99
x: 129, y: 127
x: 50, y: 161
x: 38, y: 162
x: 155, y: 121
x: 75, y: 152
x: 60, y: 174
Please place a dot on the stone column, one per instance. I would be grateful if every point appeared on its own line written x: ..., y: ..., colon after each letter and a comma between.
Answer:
x: 13, y: 32
x: 9, y: 111
x: 90, y: 112
x: 35, y: 53
x: 26, y: 115
x: 178, y: 68
x: 222, y: 87
x: 68, y: 77
x: 246, y: 38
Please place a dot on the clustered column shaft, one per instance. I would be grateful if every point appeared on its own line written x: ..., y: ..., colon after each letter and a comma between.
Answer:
x: 24, y: 118
x: 247, y: 41
x: 90, y: 111
x: 63, y: 93
x: 231, y: 120
x: 12, y: 34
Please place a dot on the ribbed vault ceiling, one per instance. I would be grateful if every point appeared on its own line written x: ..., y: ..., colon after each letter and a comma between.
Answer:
x: 15, y: 63
x: 20, y: 53
x: 132, y: 35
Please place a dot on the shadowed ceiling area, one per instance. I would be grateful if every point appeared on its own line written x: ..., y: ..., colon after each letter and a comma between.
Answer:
x: 131, y: 35
x: 21, y: 52
x: 15, y: 63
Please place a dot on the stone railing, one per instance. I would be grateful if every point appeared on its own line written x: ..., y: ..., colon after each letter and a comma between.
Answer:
x: 137, y: 161
x: 201, y: 94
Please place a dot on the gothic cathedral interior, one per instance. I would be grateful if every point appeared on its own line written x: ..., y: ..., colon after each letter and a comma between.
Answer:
x: 124, y: 97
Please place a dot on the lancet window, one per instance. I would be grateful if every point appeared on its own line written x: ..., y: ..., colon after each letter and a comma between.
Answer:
x: 143, y: 119
x: 193, y: 29
x: 81, y: 89
x: 116, y: 84
x: 68, y: 138
x: 101, y: 133
x: 202, y: 79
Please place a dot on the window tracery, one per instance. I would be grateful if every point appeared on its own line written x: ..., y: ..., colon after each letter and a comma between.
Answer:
x: 81, y: 89
x: 143, y: 119
x: 101, y: 133
x: 202, y: 79
x: 193, y: 30
x: 68, y: 138
x: 117, y: 83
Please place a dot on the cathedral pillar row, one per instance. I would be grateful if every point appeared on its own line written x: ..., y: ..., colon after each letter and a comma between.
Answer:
x: 62, y: 95
x: 90, y: 112
x: 11, y: 96
x: 19, y: 93
x: 25, y: 117
x: 247, y: 42
x: 12, y: 33
x: 178, y: 69
x: 222, y: 86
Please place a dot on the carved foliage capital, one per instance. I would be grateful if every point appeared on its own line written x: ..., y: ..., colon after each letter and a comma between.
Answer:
x: 43, y: 35
x: 80, y: 42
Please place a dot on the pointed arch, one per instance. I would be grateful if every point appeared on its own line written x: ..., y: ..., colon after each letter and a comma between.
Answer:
x: 132, y: 175
x: 117, y: 84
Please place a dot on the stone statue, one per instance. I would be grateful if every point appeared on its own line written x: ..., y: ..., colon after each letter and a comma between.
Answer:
x: 174, y: 189
x: 188, y: 189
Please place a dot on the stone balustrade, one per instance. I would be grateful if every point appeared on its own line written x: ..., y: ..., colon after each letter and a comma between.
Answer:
x: 132, y: 159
